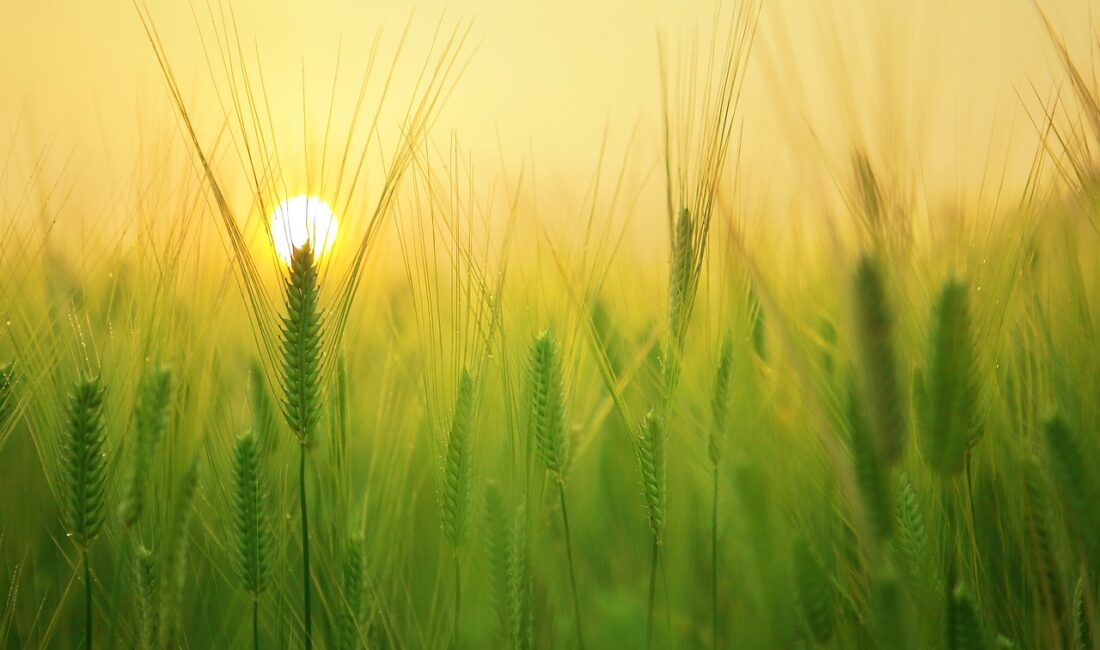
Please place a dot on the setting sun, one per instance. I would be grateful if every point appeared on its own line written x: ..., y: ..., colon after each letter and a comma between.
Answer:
x: 302, y: 219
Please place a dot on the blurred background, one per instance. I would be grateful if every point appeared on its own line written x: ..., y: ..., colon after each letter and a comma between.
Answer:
x: 945, y: 90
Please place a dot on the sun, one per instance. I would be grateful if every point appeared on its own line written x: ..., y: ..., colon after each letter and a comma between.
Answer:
x: 302, y: 219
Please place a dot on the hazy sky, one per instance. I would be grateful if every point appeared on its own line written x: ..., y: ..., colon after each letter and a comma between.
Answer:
x: 932, y: 80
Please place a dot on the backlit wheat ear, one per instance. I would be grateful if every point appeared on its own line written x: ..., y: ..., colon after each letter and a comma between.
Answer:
x: 651, y: 456
x: 145, y: 595
x: 251, y: 520
x: 719, y: 403
x: 301, y: 377
x: 547, y: 404
x: 951, y: 398
x: 457, y: 469
x: 911, y: 538
x: 816, y: 594
x: 875, y: 338
x: 1077, y: 485
x: 301, y: 345
x: 680, y: 271
x: 150, y: 423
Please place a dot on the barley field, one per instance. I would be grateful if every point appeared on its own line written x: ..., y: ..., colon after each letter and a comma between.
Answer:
x: 736, y: 325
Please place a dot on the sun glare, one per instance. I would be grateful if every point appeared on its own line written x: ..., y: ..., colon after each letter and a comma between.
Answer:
x: 302, y: 219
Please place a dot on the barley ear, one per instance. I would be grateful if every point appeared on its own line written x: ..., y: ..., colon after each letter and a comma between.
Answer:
x: 951, y: 425
x: 251, y: 519
x: 354, y: 582
x: 547, y: 404
x: 719, y: 404
x: 150, y: 423
x: 964, y: 626
x: 520, y: 587
x: 1076, y: 485
x: 680, y: 271
x: 145, y: 593
x: 457, y: 469
x: 301, y: 371
x: 871, y: 472
x: 816, y: 593
x: 497, y: 555
x: 652, y: 458
x: 175, y: 559
x: 875, y: 338
x: 84, y: 463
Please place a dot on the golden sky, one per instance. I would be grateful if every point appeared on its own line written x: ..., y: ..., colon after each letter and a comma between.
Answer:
x: 932, y: 81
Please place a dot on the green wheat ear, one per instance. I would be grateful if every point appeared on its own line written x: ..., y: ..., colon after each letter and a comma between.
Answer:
x: 964, y: 626
x: 250, y: 518
x: 816, y: 594
x: 7, y: 392
x: 950, y: 402
x: 84, y: 463
x: 719, y: 403
x: 547, y: 405
x: 497, y: 555
x: 875, y: 336
x: 1082, y: 621
x: 1076, y: 483
x: 150, y: 423
x: 262, y: 408
x: 1037, y: 518
x: 520, y: 586
x: 457, y: 472
x: 354, y: 585
x: 872, y: 475
x: 302, y: 347
x: 175, y: 559
x: 652, y: 458
x: 145, y: 593
x: 679, y: 286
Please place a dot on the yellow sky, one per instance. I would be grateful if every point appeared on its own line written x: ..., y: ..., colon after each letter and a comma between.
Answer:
x: 929, y: 80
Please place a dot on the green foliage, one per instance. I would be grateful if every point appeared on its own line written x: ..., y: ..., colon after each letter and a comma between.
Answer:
x: 150, y: 423
x: 952, y: 424
x: 546, y: 407
x: 458, y: 464
x: 84, y: 463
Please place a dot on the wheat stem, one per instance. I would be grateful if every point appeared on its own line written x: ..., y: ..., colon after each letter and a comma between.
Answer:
x: 572, y: 572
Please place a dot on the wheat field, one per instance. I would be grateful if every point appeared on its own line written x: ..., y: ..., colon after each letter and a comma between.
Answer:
x: 322, y: 373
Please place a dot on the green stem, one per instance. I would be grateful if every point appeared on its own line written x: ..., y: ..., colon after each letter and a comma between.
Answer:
x: 87, y: 599
x: 652, y: 594
x: 572, y: 573
x: 256, y: 623
x: 714, y: 561
x: 305, y: 550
